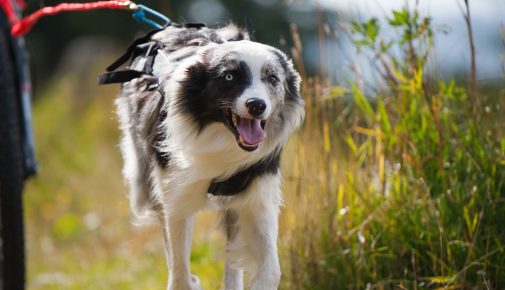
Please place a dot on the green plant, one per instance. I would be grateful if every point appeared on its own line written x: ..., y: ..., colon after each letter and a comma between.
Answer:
x: 404, y: 189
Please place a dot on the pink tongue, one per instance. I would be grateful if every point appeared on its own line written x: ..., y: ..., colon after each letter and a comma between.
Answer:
x: 251, y: 131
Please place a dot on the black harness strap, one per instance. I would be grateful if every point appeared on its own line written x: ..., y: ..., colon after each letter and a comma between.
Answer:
x: 140, y: 45
x: 196, y: 25
x: 148, y: 66
x: 121, y: 76
x: 239, y: 181
x: 129, y: 53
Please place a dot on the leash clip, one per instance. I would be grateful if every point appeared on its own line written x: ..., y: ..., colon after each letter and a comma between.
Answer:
x: 157, y: 19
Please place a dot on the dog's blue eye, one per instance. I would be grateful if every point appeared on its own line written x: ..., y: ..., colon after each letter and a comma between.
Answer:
x: 228, y: 77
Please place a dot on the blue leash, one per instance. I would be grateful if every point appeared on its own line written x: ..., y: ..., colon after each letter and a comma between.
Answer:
x: 156, y: 19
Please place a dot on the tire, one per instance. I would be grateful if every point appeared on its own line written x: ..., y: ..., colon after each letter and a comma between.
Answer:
x: 12, y: 254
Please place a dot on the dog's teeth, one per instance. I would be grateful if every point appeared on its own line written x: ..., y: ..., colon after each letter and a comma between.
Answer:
x: 243, y: 143
x: 235, y: 120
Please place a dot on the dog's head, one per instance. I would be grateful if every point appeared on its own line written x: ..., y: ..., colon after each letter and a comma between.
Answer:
x: 249, y: 87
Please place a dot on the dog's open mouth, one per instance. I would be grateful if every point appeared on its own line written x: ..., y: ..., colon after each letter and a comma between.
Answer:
x: 248, y: 132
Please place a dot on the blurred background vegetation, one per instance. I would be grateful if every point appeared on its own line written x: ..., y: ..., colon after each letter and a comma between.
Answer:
x: 401, y: 187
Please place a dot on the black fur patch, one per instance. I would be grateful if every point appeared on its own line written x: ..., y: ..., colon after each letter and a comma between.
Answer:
x: 205, y: 92
x: 158, y: 137
x: 242, y: 179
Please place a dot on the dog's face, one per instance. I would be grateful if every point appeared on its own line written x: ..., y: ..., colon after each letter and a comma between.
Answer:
x: 249, y: 87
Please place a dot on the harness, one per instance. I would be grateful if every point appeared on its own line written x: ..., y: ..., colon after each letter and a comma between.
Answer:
x: 143, y: 45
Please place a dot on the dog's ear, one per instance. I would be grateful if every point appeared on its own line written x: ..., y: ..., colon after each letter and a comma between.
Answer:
x: 293, y: 101
x: 293, y: 79
x: 249, y: 26
x: 232, y: 33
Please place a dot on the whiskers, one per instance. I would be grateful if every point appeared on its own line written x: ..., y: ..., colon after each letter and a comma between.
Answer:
x: 225, y: 105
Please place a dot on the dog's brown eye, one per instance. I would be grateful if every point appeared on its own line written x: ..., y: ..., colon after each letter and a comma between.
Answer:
x: 273, y: 80
x: 228, y: 77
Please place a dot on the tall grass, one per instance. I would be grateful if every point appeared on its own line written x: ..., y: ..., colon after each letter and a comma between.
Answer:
x: 402, y: 188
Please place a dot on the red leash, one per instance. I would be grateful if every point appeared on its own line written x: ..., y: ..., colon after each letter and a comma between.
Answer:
x: 21, y: 27
x: 8, y: 8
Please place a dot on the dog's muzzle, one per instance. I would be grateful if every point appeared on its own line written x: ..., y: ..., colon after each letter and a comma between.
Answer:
x: 249, y: 132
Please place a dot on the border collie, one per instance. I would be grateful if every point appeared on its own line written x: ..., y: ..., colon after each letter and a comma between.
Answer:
x: 203, y: 124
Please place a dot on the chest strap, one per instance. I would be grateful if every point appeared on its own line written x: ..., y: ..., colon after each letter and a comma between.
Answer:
x: 241, y: 180
x: 121, y: 76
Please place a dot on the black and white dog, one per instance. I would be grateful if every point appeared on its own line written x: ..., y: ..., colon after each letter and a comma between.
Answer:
x: 204, y: 114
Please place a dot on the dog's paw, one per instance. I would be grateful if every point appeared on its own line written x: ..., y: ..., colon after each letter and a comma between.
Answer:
x: 269, y: 281
x: 264, y: 286
x: 192, y: 284
x: 195, y: 283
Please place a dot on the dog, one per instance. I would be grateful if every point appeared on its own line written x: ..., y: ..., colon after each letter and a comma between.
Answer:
x: 204, y: 114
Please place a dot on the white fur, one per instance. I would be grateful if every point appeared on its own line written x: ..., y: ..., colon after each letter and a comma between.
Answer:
x: 198, y: 157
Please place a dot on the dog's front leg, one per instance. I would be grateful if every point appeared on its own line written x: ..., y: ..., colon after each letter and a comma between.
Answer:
x: 263, y: 242
x: 258, y: 223
x: 233, y: 275
x: 178, y: 234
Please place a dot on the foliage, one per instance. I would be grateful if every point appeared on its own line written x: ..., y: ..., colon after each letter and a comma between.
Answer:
x: 404, y: 189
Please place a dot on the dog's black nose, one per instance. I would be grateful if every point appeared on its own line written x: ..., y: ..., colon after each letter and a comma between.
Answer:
x: 255, y: 106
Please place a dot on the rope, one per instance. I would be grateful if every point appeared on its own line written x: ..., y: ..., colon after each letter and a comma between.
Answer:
x: 24, y: 25
x: 8, y: 7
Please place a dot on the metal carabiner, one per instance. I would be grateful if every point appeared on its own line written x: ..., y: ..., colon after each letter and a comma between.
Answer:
x: 156, y: 17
